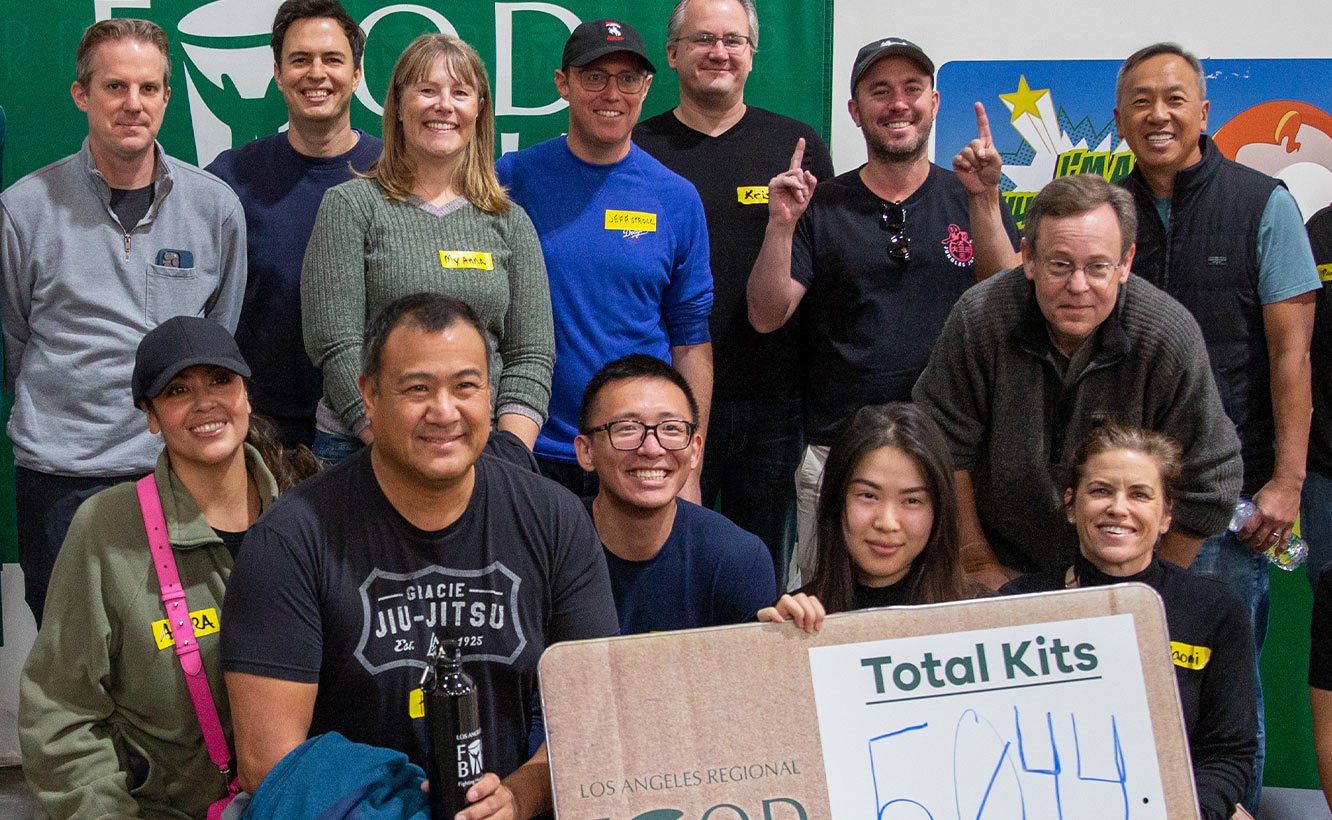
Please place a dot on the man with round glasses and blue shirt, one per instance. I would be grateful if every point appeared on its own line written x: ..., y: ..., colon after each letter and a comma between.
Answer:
x: 624, y: 238
x: 673, y: 564
x: 1038, y: 355
x: 877, y: 255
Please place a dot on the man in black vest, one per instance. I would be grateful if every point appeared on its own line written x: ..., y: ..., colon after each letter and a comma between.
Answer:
x: 1229, y: 243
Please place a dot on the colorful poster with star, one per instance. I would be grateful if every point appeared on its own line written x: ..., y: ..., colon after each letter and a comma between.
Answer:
x: 1052, y: 118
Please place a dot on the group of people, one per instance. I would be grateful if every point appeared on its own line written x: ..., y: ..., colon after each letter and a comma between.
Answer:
x: 668, y: 317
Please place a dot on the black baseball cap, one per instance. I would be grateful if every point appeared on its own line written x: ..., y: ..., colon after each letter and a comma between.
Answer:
x: 601, y: 37
x: 873, y: 52
x: 178, y: 343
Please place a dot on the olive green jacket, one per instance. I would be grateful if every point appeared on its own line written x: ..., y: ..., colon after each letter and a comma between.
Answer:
x: 102, y: 686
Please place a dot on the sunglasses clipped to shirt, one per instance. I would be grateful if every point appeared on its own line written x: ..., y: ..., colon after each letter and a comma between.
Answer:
x: 892, y: 219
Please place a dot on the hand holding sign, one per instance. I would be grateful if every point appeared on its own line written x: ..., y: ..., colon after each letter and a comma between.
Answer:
x: 979, y: 165
x: 789, y: 192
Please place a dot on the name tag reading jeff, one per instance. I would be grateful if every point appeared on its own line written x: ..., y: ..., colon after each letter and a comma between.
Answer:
x: 752, y: 194
x: 476, y: 260
x: 205, y: 622
x: 630, y: 221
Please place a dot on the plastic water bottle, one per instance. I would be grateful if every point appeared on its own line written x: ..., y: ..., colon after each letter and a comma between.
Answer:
x: 453, y: 723
x: 1290, y: 557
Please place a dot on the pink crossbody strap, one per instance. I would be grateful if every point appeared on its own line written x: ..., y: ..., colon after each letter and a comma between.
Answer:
x: 182, y: 629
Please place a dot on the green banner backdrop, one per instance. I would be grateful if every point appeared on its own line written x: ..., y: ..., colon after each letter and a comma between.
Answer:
x: 223, y: 94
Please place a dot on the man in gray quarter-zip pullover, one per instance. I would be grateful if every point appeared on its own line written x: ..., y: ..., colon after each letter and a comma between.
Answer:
x: 95, y: 250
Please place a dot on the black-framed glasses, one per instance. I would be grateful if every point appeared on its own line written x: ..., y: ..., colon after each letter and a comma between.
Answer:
x: 705, y: 40
x: 892, y: 218
x: 629, y: 82
x: 626, y: 434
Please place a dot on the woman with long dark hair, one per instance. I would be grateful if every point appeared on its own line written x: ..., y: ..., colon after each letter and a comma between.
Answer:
x: 887, y: 520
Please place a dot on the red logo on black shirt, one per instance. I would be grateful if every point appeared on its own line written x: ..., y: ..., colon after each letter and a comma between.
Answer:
x: 958, y: 247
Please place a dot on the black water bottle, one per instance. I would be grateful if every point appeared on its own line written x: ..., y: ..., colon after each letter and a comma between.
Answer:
x: 453, y: 722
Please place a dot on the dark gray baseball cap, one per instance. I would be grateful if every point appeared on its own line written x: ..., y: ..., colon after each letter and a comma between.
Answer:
x: 178, y: 343
x: 873, y: 52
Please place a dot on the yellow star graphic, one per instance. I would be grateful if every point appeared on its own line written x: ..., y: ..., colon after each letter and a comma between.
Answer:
x: 1024, y: 99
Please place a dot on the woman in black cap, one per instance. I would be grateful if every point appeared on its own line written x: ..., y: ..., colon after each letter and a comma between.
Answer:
x: 122, y: 710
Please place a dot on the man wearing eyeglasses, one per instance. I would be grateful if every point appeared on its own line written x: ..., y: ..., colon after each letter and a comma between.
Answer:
x: 624, y: 238
x: 1036, y: 356
x: 673, y: 564
x: 730, y: 150
x: 877, y: 256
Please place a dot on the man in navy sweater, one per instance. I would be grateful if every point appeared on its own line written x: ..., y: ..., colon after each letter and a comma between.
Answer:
x: 281, y: 179
x: 673, y: 564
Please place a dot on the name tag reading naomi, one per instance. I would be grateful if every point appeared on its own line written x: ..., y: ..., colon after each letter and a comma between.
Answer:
x: 630, y: 221
x: 752, y: 194
x: 476, y: 260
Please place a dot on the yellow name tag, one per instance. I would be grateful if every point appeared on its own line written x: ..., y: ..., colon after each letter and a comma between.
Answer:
x: 1190, y: 657
x: 752, y: 194
x: 1325, y: 272
x: 205, y: 621
x: 630, y: 221
x: 476, y: 260
x: 416, y: 703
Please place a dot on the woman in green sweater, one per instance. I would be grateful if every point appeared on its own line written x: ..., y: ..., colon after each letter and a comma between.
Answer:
x: 429, y: 215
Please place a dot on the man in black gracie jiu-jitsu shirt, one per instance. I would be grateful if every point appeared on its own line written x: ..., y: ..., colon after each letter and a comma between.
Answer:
x: 339, y: 591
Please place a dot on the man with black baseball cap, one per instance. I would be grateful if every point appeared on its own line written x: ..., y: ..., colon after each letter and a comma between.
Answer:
x: 625, y: 240
x: 882, y: 252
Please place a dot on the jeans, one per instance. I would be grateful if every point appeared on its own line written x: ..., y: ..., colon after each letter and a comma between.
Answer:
x: 753, y: 450
x: 1244, y: 571
x: 807, y: 481
x: 45, y: 505
x: 331, y: 448
x: 1316, y: 523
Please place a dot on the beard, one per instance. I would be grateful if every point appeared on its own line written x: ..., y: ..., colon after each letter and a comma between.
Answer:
x: 880, y: 150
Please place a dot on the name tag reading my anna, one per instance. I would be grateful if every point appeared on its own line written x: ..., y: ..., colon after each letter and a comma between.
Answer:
x: 476, y: 260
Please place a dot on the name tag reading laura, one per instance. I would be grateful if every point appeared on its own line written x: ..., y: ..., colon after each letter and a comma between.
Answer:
x: 630, y: 221
x: 752, y: 194
x: 476, y: 260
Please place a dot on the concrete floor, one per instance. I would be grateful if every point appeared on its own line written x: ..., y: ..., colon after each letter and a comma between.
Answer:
x: 1278, y: 804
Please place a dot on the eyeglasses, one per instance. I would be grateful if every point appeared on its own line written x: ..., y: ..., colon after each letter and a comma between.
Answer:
x: 705, y: 40
x: 672, y: 434
x: 630, y: 82
x: 1096, y: 272
x: 892, y: 218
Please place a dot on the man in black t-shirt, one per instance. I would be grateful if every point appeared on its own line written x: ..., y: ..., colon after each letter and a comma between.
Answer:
x: 730, y: 150
x: 878, y: 255
x: 344, y: 585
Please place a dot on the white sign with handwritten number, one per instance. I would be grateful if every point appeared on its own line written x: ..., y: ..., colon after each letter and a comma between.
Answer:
x: 1046, y: 720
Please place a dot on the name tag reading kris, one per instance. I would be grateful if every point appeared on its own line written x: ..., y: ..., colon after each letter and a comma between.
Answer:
x: 752, y: 194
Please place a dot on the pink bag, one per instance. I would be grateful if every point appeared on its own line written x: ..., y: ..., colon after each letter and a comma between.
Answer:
x: 182, y: 631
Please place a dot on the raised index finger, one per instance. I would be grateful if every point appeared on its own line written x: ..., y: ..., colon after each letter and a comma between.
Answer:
x: 798, y: 155
x: 983, y: 124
